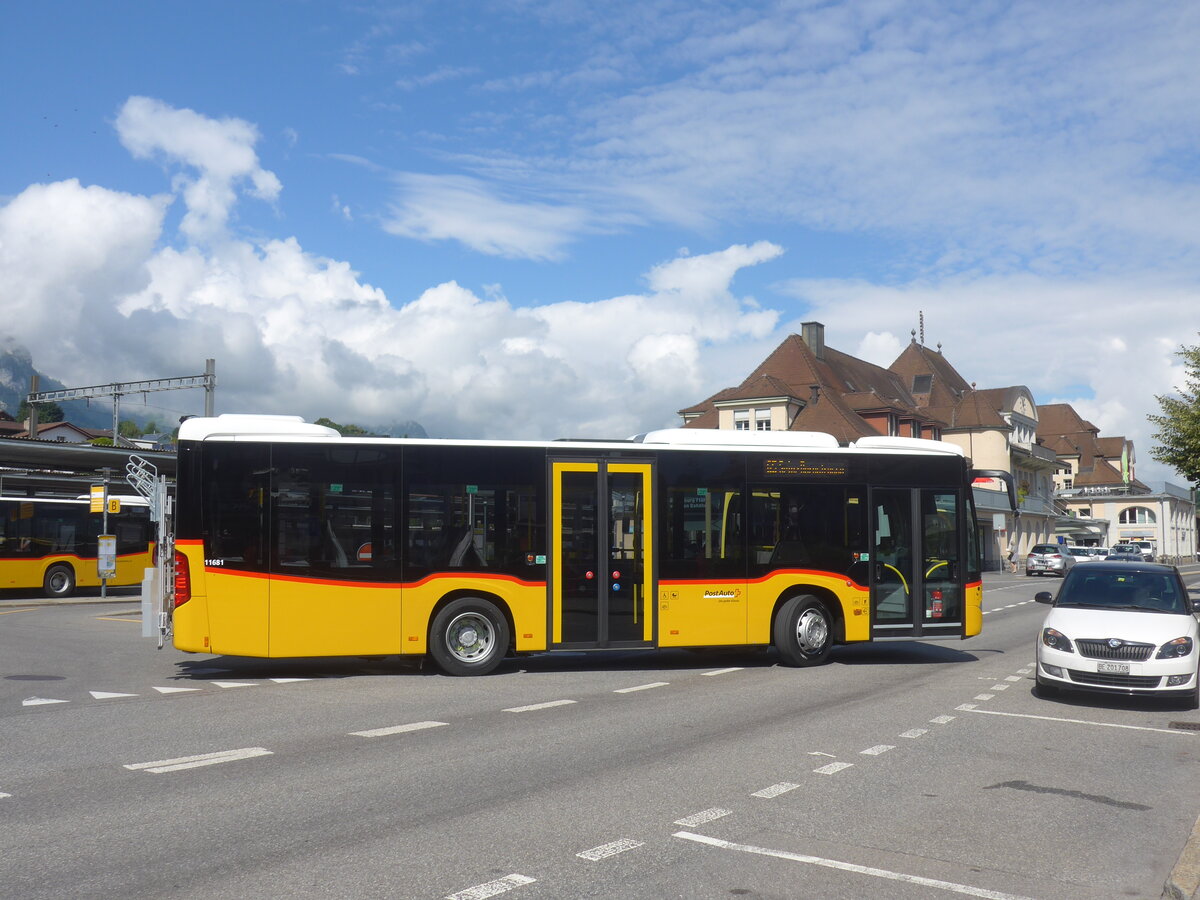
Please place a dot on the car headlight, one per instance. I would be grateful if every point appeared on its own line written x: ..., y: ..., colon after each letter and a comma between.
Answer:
x: 1173, y: 649
x: 1057, y: 640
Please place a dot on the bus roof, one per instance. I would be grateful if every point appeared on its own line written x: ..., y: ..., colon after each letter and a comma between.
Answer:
x: 238, y: 427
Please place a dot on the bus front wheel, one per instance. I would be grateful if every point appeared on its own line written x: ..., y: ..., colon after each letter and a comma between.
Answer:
x: 803, y: 631
x: 59, y: 581
x: 469, y: 636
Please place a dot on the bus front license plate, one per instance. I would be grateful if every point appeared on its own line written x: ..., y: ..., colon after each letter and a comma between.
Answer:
x: 1113, y: 668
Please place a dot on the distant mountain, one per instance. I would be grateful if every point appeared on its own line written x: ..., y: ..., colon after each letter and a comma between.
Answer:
x: 16, y: 370
x: 402, y: 429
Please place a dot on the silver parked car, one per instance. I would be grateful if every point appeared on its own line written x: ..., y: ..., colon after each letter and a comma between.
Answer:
x: 1048, y: 559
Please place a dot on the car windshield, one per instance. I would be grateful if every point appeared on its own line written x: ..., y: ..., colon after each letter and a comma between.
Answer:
x: 1150, y: 591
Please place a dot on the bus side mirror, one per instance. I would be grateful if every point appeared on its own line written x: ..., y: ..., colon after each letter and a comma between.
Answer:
x: 1043, y: 597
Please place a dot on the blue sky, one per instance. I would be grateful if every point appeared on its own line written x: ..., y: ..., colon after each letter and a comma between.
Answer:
x: 532, y: 219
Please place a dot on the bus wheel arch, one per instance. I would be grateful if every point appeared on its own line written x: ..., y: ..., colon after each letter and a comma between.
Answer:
x: 804, y: 629
x: 470, y: 633
x: 59, y: 581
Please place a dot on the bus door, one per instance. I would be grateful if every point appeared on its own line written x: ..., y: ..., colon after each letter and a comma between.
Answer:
x: 916, y: 572
x: 601, y: 574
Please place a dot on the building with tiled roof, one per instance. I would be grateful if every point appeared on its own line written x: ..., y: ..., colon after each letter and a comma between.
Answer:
x: 805, y: 385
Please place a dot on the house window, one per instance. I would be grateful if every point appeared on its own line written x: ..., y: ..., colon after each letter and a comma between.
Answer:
x: 1067, y: 483
x: 762, y: 420
x: 922, y: 384
x: 741, y: 419
x: 1136, y: 515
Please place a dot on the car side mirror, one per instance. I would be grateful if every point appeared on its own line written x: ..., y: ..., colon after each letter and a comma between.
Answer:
x: 1043, y: 597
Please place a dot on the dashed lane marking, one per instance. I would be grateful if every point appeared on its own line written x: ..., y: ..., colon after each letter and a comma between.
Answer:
x: 831, y: 769
x: 492, y: 888
x: 41, y: 701
x: 914, y: 732
x: 536, y: 706
x: 642, y: 687
x: 108, y: 695
x: 723, y: 671
x: 174, y: 690
x: 604, y: 851
x: 203, y: 759
x: 703, y: 817
x: 233, y: 684
x: 966, y: 707
x: 942, y: 720
x: 1002, y: 686
x: 967, y: 889
x: 397, y: 729
x: 984, y: 696
x: 877, y: 750
x: 775, y: 790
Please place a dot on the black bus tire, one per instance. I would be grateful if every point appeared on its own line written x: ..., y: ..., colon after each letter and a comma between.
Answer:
x: 469, y: 636
x: 59, y: 581
x: 803, y: 631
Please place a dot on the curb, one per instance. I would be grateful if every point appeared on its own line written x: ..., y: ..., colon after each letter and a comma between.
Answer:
x: 1184, y: 881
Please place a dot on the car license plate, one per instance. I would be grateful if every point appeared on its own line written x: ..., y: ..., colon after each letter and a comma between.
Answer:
x: 1113, y: 668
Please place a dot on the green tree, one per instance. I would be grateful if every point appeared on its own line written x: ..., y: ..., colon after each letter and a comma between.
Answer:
x: 1179, y: 425
x: 47, y: 412
x: 128, y: 428
x: 344, y: 430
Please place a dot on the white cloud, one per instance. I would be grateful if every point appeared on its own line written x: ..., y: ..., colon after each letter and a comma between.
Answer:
x: 85, y: 268
x: 433, y: 208
x: 222, y: 150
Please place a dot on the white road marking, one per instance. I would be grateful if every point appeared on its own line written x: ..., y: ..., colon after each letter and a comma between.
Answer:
x: 703, y: 817
x: 850, y: 867
x: 41, y: 701
x: 233, y: 684
x: 914, y: 732
x: 723, y: 671
x: 1014, y: 678
x: 604, y: 851
x: 831, y: 769
x: 108, y: 695
x: 535, y: 706
x: 991, y: 712
x: 642, y: 687
x: 202, y: 759
x: 397, y: 729
x: 984, y: 696
x: 819, y: 753
x: 965, y: 707
x: 877, y: 750
x: 3, y: 795
x: 942, y: 720
x: 492, y: 888
x: 289, y: 680
x: 1001, y: 686
x: 174, y: 690
x: 775, y: 790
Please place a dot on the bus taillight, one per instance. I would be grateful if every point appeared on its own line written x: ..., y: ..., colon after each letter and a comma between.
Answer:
x: 183, y: 580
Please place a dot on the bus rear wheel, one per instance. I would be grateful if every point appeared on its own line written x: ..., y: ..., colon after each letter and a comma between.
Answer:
x: 59, y: 581
x: 803, y: 631
x: 469, y: 636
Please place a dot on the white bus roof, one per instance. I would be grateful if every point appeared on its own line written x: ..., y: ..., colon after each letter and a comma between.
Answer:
x: 232, y: 427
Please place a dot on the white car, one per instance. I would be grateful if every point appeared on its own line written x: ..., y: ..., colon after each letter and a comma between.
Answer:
x: 1121, y: 628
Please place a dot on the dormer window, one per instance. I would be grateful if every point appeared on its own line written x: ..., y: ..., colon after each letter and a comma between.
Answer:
x: 922, y: 384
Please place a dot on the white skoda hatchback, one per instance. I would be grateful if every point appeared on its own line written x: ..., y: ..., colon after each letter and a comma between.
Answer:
x: 1121, y: 628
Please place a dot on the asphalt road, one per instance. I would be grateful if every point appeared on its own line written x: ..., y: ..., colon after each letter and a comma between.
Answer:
x: 898, y: 770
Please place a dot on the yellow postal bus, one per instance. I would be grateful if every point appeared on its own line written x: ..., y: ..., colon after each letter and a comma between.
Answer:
x: 51, y: 544
x: 293, y: 541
